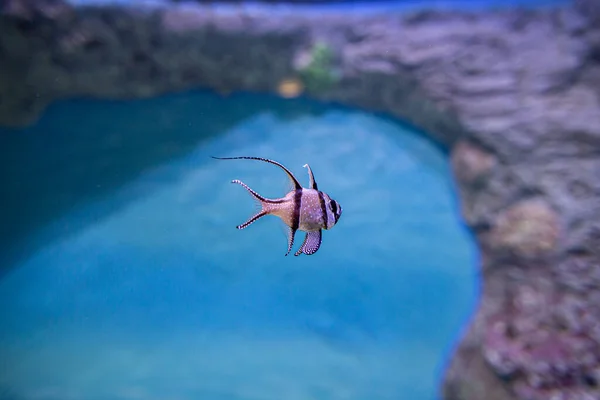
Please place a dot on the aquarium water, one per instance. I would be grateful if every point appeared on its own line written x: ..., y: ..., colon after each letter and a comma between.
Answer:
x: 132, y: 282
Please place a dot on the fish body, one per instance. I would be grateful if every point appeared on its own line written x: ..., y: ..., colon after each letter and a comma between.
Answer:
x: 305, y: 209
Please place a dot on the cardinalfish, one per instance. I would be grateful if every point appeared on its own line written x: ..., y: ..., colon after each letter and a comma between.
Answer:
x: 306, y: 209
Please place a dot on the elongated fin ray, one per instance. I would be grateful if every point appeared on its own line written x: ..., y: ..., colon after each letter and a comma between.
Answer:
x: 290, y: 234
x: 261, y: 212
x: 287, y: 171
x: 313, y: 183
x: 312, y: 242
x: 254, y: 218
x: 287, y: 185
x: 256, y: 196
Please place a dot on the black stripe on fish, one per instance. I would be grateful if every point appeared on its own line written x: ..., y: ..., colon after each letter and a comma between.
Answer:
x: 295, y: 219
x: 297, y: 184
x: 296, y: 211
x: 323, y: 209
x: 334, y: 208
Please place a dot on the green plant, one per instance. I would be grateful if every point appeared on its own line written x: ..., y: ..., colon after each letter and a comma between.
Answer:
x: 319, y: 75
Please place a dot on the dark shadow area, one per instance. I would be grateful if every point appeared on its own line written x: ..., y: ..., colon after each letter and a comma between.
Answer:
x: 55, y: 166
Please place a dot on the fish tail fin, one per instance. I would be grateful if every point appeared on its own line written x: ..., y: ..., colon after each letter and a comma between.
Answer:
x: 261, y: 209
x: 259, y: 200
x: 254, y: 218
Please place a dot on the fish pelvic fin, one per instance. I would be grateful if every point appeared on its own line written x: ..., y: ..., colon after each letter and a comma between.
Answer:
x: 291, y: 234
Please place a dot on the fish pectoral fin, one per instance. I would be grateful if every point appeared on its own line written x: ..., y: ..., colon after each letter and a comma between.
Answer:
x: 254, y: 218
x: 291, y: 233
x: 311, y: 243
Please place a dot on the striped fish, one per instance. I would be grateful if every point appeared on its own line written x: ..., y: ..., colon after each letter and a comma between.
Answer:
x: 305, y: 209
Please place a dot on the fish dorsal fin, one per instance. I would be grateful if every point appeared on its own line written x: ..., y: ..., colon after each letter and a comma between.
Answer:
x: 313, y: 183
x: 312, y: 242
x: 295, y: 182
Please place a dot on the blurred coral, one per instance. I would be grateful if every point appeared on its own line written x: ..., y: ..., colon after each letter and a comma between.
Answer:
x: 471, y: 164
x: 529, y: 228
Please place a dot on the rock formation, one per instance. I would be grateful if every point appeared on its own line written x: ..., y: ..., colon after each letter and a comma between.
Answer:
x: 514, y: 95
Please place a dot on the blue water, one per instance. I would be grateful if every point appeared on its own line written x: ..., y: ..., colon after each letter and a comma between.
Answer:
x: 140, y: 286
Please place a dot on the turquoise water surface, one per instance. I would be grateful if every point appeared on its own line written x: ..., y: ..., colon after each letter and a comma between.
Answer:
x: 128, y: 279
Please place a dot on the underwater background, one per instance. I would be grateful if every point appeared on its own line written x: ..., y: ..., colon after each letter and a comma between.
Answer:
x: 147, y: 285
x: 123, y: 275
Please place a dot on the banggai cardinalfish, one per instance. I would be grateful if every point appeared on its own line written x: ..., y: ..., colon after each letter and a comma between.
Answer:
x: 306, y: 209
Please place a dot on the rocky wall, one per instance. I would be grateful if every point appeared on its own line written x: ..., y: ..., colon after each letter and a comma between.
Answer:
x: 514, y: 95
